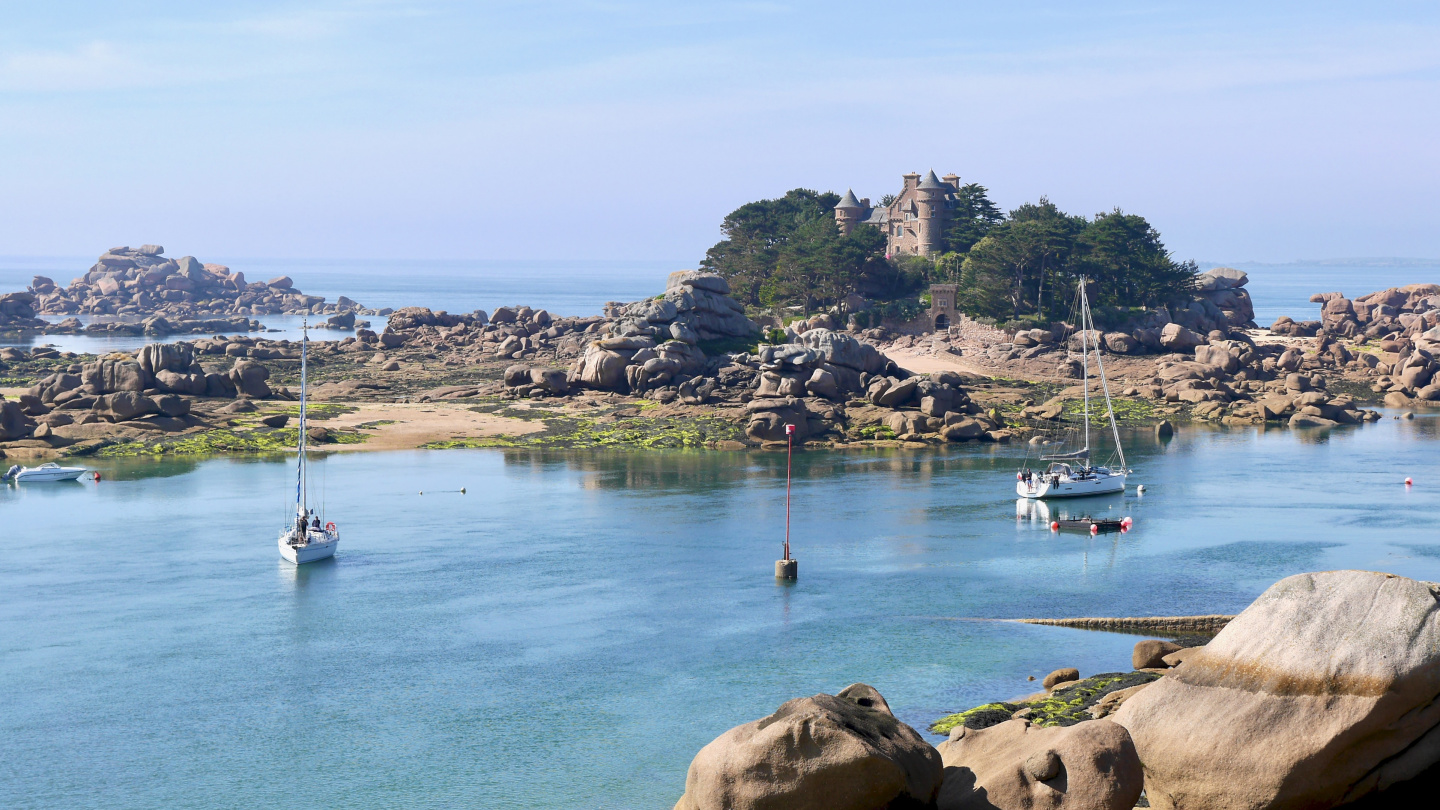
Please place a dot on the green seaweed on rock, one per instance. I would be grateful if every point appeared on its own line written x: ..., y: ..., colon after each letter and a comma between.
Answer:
x: 221, y: 440
x: 983, y: 716
x: 1065, y: 706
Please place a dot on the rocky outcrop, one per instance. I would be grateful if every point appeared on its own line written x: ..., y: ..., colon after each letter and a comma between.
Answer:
x: 140, y: 291
x: 14, y: 422
x: 17, y: 312
x: 1325, y: 689
x: 696, y: 306
x: 1397, y: 314
x: 1222, y: 289
x: 1239, y: 381
x: 836, y: 752
x: 1015, y: 765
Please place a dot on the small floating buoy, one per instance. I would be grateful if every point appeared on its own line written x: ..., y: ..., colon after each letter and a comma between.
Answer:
x: 1054, y: 525
x: 422, y: 492
x: 1140, y: 490
x: 1408, y: 482
x: 97, y: 475
x: 462, y: 490
x: 1094, y: 529
x: 1126, y: 521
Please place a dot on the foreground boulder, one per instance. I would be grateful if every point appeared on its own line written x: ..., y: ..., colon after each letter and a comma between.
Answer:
x: 1322, y: 691
x: 827, y: 752
x: 1017, y: 766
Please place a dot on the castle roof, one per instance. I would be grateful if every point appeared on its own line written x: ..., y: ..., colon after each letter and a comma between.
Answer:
x: 931, y: 182
x: 849, y: 201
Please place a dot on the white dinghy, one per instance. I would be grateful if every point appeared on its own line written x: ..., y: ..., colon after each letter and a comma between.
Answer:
x: 49, y: 471
x: 1071, y: 475
x: 304, y: 540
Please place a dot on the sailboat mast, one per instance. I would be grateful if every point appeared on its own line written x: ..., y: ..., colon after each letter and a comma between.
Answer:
x: 1085, y: 363
x: 1105, y: 386
x: 304, y: 346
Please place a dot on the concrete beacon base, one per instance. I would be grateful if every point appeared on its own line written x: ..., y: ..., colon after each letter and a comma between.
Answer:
x: 787, y: 569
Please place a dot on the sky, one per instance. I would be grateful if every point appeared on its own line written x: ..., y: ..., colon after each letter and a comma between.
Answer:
x: 627, y: 130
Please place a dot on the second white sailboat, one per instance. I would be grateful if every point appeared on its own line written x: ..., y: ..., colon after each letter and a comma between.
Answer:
x: 1071, y: 475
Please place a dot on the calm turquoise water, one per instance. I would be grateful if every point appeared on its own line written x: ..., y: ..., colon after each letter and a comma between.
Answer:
x: 573, y: 629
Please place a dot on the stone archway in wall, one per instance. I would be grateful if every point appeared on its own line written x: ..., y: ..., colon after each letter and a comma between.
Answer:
x: 942, y: 322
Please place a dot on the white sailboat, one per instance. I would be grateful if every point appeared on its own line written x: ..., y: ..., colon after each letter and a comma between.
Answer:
x: 1071, y: 475
x: 304, y: 540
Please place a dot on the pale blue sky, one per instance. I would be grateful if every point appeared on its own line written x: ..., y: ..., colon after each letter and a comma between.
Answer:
x: 1265, y: 131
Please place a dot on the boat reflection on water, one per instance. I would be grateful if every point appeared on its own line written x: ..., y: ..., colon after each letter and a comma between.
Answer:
x: 311, y: 575
x: 1043, y: 515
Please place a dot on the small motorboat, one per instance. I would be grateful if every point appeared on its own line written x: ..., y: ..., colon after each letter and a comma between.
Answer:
x: 49, y: 471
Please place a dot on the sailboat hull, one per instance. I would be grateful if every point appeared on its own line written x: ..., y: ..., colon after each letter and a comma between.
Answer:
x: 316, y: 549
x: 1046, y: 488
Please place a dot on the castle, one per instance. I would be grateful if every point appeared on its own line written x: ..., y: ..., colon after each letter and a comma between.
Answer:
x: 914, y: 223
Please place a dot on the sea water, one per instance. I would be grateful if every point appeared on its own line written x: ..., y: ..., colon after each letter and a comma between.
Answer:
x: 575, y: 626
x: 581, y: 288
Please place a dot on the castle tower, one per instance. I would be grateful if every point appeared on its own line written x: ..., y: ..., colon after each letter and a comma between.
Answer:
x: 849, y: 212
x: 930, y: 200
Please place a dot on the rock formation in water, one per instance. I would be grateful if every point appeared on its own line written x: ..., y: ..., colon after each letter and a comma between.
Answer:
x: 140, y: 291
x: 1393, y: 314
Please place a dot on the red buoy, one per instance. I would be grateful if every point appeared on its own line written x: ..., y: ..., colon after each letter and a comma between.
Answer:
x: 97, y: 475
x: 1094, y: 529
x: 1055, y: 526
x: 1408, y: 482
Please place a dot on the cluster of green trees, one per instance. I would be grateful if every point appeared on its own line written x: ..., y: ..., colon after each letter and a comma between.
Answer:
x: 789, y: 252
x: 1024, y: 264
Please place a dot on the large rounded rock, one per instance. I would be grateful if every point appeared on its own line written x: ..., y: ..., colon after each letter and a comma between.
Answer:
x: 1325, y: 689
x: 1150, y: 653
x: 123, y: 406
x: 769, y: 416
x: 249, y: 378
x: 827, y: 752
x: 1177, y: 338
x: 1091, y: 765
x: 192, y: 384
x: 157, y: 357
x: 14, y: 424
x: 111, y: 374
x: 603, y: 368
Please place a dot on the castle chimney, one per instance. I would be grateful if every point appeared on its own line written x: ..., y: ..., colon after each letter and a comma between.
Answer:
x: 952, y: 179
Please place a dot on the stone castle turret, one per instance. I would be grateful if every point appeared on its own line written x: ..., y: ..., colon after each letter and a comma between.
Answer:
x: 850, y: 212
x: 914, y: 223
